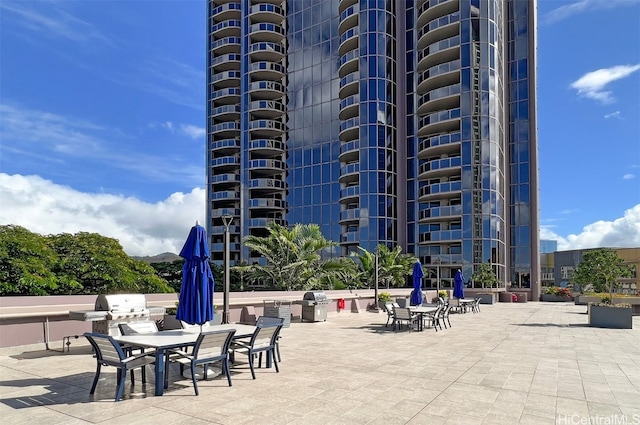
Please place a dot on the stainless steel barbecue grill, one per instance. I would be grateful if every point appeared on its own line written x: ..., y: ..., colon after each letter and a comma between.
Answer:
x: 314, y: 306
x: 111, y: 310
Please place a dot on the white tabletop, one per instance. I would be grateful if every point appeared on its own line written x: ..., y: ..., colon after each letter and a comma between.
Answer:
x: 178, y: 338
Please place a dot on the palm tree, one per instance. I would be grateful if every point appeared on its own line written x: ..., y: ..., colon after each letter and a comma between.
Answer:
x: 393, y: 266
x: 295, y: 258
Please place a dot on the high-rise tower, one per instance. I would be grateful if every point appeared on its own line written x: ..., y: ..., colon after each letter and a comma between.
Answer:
x: 401, y: 122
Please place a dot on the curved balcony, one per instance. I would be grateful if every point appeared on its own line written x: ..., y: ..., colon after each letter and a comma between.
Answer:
x: 224, y: 146
x: 225, y: 129
x: 226, y: 11
x: 349, y: 194
x: 272, y: 165
x: 229, y: 62
x: 348, y: 18
x: 267, y: 51
x: 220, y: 180
x: 267, y: 128
x: 266, y: 90
x: 226, y: 28
x: 435, y: 36
x: 266, y: 71
x: 349, y: 107
x: 442, y: 167
x: 447, y: 190
x: 349, y: 129
x: 350, y: 173
x: 352, y: 215
x: 219, y: 212
x: 345, y: 4
x: 264, y: 222
x: 439, y: 46
x: 227, y: 195
x: 225, y: 164
x: 349, y: 151
x: 267, y: 32
x: 439, y: 99
x: 441, y: 236
x: 349, y: 237
x: 349, y: 85
x: 439, y: 122
x: 433, y: 9
x: 427, y: 60
x: 434, y: 27
x: 268, y: 203
x: 225, y: 79
x: 442, y: 144
x: 448, y: 213
x: 225, y: 45
x: 267, y: 147
x: 348, y: 63
x: 226, y: 96
x: 267, y: 185
x: 267, y: 109
x: 439, y: 75
x: 226, y: 112
x: 266, y: 12
x: 348, y: 41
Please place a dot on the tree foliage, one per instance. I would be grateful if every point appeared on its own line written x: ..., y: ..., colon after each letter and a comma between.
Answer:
x: 393, y: 266
x: 485, y: 275
x: 601, y: 268
x: 65, y: 264
x: 294, y: 259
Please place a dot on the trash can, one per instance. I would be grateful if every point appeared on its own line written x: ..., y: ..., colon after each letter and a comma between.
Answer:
x: 279, y: 309
x: 314, y: 307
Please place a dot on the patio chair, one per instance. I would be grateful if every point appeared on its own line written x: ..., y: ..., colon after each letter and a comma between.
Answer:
x: 475, y: 307
x: 264, y: 321
x: 444, y: 316
x: 388, y: 307
x: 263, y: 340
x: 434, y: 318
x: 210, y: 347
x: 109, y: 353
x: 403, y: 315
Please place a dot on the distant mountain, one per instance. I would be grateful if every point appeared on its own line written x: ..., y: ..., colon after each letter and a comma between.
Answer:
x: 167, y: 257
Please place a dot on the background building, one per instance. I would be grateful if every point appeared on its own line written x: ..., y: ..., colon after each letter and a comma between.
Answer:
x: 548, y: 246
x: 401, y: 122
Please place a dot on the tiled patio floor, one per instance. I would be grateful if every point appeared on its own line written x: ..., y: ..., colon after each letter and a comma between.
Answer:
x: 533, y: 363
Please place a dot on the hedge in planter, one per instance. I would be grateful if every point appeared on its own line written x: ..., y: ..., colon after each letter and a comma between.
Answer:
x: 556, y: 294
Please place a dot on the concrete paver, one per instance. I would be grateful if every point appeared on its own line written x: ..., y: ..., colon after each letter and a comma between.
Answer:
x: 533, y: 363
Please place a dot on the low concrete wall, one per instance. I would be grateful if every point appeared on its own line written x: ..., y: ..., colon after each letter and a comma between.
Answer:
x: 45, y: 320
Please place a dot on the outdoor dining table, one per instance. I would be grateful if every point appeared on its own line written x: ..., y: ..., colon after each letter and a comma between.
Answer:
x: 421, y: 310
x: 165, y: 340
x: 464, y: 304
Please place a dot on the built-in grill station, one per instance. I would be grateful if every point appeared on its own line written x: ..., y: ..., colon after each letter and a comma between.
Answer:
x: 111, y: 310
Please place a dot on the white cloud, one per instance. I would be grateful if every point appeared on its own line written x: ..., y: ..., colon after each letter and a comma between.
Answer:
x: 615, y: 114
x: 622, y: 232
x: 592, y: 84
x: 628, y: 176
x: 193, y: 131
x: 142, y: 228
x: 568, y: 10
x: 49, y: 20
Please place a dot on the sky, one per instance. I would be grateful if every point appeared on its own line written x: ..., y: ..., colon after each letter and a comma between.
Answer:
x: 102, y: 120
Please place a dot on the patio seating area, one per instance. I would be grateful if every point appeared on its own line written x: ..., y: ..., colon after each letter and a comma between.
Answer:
x: 533, y: 363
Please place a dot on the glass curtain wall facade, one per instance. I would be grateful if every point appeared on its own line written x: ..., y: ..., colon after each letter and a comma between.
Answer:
x: 403, y: 122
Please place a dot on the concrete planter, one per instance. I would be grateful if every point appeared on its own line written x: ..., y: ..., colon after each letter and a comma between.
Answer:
x: 610, y: 317
x: 555, y: 298
x: 170, y: 322
x: 505, y: 297
x: 403, y: 301
x: 488, y: 298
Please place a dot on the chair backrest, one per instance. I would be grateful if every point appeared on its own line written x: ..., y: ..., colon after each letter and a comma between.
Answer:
x: 402, y: 313
x: 265, y: 321
x: 213, y: 344
x: 396, y: 305
x: 107, y: 350
x: 138, y: 328
x: 265, y: 336
x: 446, y: 310
x: 389, y: 308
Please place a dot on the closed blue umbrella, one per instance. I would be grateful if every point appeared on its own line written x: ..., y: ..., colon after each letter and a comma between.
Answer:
x: 458, y: 285
x: 196, y: 292
x: 416, y: 295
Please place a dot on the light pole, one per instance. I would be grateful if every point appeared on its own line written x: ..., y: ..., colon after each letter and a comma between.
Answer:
x: 375, y: 286
x: 226, y: 219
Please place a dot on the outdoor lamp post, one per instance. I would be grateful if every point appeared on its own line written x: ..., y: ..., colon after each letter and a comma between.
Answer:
x: 226, y: 219
x: 375, y: 287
